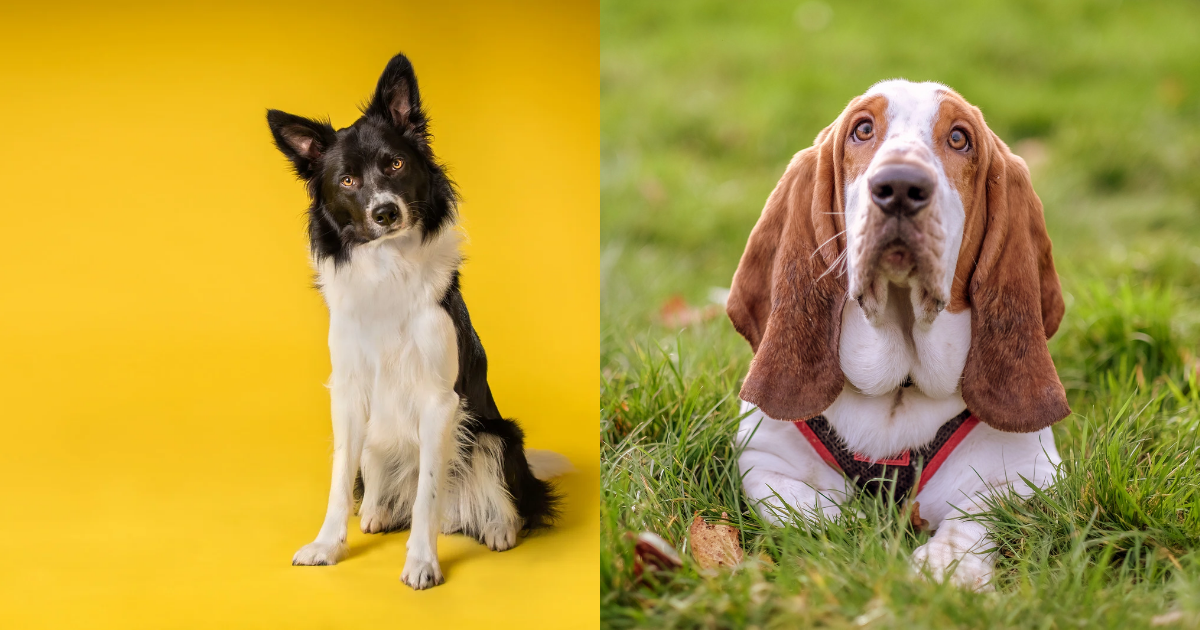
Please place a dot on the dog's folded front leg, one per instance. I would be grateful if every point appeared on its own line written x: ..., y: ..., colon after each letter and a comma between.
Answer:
x: 438, y: 423
x: 960, y: 551
x: 784, y: 478
x: 349, y: 428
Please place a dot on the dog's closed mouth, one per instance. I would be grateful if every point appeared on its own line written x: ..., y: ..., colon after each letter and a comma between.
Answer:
x: 898, y: 256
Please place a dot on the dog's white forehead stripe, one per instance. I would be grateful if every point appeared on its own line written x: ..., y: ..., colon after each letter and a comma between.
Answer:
x: 911, y: 113
x: 912, y: 107
x: 381, y: 197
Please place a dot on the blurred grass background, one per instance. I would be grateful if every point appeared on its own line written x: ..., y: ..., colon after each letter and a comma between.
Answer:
x: 702, y: 105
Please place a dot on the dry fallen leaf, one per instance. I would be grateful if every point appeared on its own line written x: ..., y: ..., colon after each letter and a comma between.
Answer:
x: 1166, y: 619
x: 715, y: 544
x: 918, y: 523
x: 620, y: 422
x: 652, y: 552
x: 677, y: 313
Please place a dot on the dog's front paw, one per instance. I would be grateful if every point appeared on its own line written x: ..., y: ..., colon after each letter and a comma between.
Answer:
x: 499, y: 537
x: 373, y: 520
x: 421, y: 574
x: 942, y: 561
x: 320, y: 554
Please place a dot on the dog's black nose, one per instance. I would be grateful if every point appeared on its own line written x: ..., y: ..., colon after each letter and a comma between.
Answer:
x: 386, y: 214
x: 901, y: 189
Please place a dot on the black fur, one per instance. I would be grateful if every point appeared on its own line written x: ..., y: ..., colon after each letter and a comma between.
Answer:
x: 536, y: 501
x: 394, y: 124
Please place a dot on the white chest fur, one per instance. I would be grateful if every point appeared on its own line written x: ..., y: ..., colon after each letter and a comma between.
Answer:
x: 388, y: 332
x: 384, y: 283
x: 874, y: 413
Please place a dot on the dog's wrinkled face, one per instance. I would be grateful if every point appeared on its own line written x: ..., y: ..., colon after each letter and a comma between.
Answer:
x: 910, y: 166
x: 906, y: 197
x: 373, y: 180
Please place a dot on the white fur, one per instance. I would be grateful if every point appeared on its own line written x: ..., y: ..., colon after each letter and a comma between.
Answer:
x: 878, y: 418
x: 395, y: 413
x: 382, y: 197
x: 877, y: 359
x: 547, y: 464
x: 912, y: 109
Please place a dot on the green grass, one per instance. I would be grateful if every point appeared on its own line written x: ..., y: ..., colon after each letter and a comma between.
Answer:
x: 702, y: 104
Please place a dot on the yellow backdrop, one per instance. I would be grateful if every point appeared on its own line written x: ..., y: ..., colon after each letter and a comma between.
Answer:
x: 166, y: 436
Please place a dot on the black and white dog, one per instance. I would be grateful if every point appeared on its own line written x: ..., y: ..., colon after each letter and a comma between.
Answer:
x: 412, y: 409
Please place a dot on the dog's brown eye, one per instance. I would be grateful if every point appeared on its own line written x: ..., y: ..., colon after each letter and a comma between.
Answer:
x: 864, y: 130
x: 347, y: 181
x: 397, y: 163
x: 958, y: 140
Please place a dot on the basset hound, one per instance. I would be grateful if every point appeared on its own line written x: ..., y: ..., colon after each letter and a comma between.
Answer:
x: 898, y: 292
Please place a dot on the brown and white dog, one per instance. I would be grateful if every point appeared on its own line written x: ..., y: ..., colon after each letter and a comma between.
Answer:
x: 900, y: 280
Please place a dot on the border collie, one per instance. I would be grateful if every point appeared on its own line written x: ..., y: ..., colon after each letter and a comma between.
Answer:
x: 415, y: 428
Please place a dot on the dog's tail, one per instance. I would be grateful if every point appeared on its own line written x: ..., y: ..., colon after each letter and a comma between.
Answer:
x: 527, y: 474
x: 538, y: 502
x: 547, y: 465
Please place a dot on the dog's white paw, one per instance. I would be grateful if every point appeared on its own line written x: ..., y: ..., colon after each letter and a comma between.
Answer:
x: 804, y: 516
x: 499, y: 537
x: 421, y: 574
x: 320, y: 554
x: 942, y: 561
x: 373, y: 520
x: 784, y: 501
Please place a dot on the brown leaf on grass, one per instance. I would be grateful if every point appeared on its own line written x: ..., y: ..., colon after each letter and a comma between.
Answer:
x: 652, y: 552
x: 622, y: 424
x: 1167, y: 619
x: 715, y: 544
x: 653, y: 191
x: 677, y: 313
x: 918, y: 523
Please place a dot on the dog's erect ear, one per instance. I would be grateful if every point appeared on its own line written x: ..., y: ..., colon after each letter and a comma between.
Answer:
x: 1009, y: 381
x: 398, y: 100
x: 300, y: 139
x: 790, y: 287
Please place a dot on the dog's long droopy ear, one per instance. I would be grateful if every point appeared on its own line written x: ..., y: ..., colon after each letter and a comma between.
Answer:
x: 789, y: 290
x: 398, y: 100
x: 1009, y: 381
x: 300, y: 139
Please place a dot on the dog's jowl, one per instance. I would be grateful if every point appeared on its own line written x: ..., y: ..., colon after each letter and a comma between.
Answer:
x: 898, y: 291
x: 414, y: 423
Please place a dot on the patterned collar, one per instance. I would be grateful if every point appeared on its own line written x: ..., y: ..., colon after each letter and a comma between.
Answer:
x: 909, y: 471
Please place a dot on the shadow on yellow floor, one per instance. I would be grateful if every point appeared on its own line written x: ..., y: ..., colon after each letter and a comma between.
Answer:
x: 162, y: 353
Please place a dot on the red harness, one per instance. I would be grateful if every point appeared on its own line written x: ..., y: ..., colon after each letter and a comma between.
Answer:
x: 902, y: 469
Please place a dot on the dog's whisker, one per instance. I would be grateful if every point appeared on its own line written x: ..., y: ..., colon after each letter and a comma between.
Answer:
x: 827, y: 241
x: 838, y: 263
